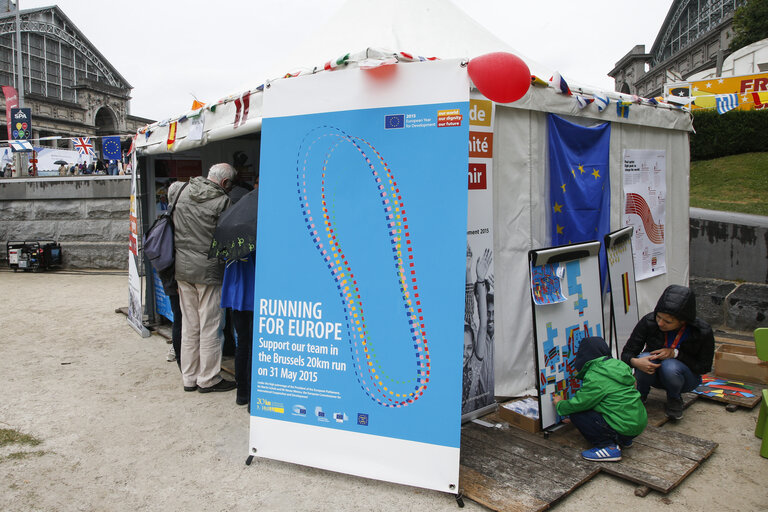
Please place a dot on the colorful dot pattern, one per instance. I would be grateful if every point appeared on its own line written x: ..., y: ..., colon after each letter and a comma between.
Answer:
x: 369, y: 372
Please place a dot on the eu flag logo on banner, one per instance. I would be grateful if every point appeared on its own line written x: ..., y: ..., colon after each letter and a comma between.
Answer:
x: 110, y: 148
x: 579, y: 190
x: 395, y: 121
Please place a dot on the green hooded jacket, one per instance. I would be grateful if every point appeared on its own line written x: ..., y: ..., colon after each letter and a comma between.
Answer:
x: 608, y: 387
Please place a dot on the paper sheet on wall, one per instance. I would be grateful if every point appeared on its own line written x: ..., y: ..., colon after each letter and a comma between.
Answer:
x: 645, y: 194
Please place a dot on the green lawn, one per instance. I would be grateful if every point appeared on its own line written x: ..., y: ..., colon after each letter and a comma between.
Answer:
x: 737, y: 183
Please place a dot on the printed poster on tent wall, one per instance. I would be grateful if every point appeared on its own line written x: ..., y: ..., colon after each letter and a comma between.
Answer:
x: 560, y: 325
x: 645, y: 195
x: 360, y: 257
x: 135, y: 307
x: 477, y: 381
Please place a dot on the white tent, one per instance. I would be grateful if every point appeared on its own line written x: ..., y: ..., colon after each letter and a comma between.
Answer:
x: 437, y: 28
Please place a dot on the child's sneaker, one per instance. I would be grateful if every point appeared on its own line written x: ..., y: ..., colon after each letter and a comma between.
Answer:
x: 606, y: 454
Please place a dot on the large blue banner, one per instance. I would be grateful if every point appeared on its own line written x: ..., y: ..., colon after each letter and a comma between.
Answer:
x: 360, y: 278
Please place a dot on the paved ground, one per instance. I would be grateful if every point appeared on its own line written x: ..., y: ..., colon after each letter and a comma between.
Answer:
x: 119, y: 434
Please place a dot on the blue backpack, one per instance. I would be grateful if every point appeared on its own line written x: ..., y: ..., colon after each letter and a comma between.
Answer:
x: 157, y: 242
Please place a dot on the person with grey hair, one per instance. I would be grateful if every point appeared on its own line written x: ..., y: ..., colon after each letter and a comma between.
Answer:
x: 199, y: 279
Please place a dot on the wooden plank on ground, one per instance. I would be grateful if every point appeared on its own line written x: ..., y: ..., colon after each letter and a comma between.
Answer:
x: 678, y: 443
x: 559, y: 466
x: 504, y: 471
x: 496, y: 495
x: 659, y: 459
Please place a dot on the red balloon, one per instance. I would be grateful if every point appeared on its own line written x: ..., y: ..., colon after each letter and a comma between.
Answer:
x: 500, y: 76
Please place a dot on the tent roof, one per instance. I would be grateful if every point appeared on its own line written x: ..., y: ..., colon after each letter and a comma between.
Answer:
x: 429, y: 28
x: 363, y: 29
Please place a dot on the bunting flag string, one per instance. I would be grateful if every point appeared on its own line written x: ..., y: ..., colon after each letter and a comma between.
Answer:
x: 171, y: 135
x: 726, y: 102
x: 582, y: 101
x: 538, y: 82
x: 242, y: 106
x: 622, y: 108
x: 84, y: 146
x: 602, y: 102
x: 559, y: 83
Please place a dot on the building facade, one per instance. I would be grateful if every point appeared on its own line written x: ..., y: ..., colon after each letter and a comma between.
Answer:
x: 694, y: 36
x: 70, y: 87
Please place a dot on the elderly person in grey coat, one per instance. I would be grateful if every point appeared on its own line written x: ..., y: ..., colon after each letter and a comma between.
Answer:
x: 199, y: 278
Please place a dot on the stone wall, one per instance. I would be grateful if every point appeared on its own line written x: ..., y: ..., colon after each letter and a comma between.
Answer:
x: 729, y: 268
x: 87, y: 215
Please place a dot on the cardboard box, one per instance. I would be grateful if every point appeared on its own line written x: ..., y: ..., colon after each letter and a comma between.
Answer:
x: 740, y: 363
x: 518, y: 420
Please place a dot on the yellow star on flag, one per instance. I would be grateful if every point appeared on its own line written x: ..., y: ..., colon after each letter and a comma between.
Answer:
x: 581, y: 168
x: 559, y: 229
x: 563, y: 187
x: 595, y: 173
x: 558, y: 208
x: 573, y: 173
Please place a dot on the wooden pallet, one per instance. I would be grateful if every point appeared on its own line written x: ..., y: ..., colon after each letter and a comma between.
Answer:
x: 514, y: 470
x: 659, y: 459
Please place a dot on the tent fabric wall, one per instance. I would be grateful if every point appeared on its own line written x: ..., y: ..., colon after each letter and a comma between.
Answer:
x: 521, y: 214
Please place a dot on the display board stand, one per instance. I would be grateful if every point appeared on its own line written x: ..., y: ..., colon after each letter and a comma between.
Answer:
x: 567, y: 307
x: 621, y: 275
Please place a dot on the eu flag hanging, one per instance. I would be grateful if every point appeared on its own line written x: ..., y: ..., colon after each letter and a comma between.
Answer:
x: 110, y: 148
x: 579, y: 187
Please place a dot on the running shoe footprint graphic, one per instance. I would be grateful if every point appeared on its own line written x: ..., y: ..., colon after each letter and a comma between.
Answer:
x: 316, y: 173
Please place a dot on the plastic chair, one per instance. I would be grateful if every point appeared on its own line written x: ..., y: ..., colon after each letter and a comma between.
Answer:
x: 761, y: 343
x: 761, y: 430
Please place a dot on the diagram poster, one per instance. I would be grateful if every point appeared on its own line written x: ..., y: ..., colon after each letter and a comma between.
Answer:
x: 478, y: 381
x: 645, y: 195
x: 559, y: 327
x: 360, y: 272
x: 621, y: 272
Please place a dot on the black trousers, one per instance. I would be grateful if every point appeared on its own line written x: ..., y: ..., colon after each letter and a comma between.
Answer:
x: 596, y: 430
x: 176, y: 328
x: 243, y: 322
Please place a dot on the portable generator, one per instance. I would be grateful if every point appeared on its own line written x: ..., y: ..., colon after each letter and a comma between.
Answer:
x: 34, y: 256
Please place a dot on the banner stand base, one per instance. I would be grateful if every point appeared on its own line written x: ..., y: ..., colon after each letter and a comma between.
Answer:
x: 477, y: 413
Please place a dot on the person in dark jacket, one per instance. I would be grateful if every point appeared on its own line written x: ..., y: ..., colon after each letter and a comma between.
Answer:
x: 607, y: 408
x: 670, y: 348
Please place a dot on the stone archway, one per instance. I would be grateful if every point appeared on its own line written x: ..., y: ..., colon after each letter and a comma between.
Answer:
x: 625, y: 88
x: 105, y: 122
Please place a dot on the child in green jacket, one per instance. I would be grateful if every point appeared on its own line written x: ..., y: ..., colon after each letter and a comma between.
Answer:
x: 607, y: 409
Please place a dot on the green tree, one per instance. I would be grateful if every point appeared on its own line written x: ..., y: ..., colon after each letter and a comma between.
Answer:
x: 750, y: 24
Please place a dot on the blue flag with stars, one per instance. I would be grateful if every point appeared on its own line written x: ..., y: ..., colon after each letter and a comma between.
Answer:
x: 579, y: 185
x: 110, y: 147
